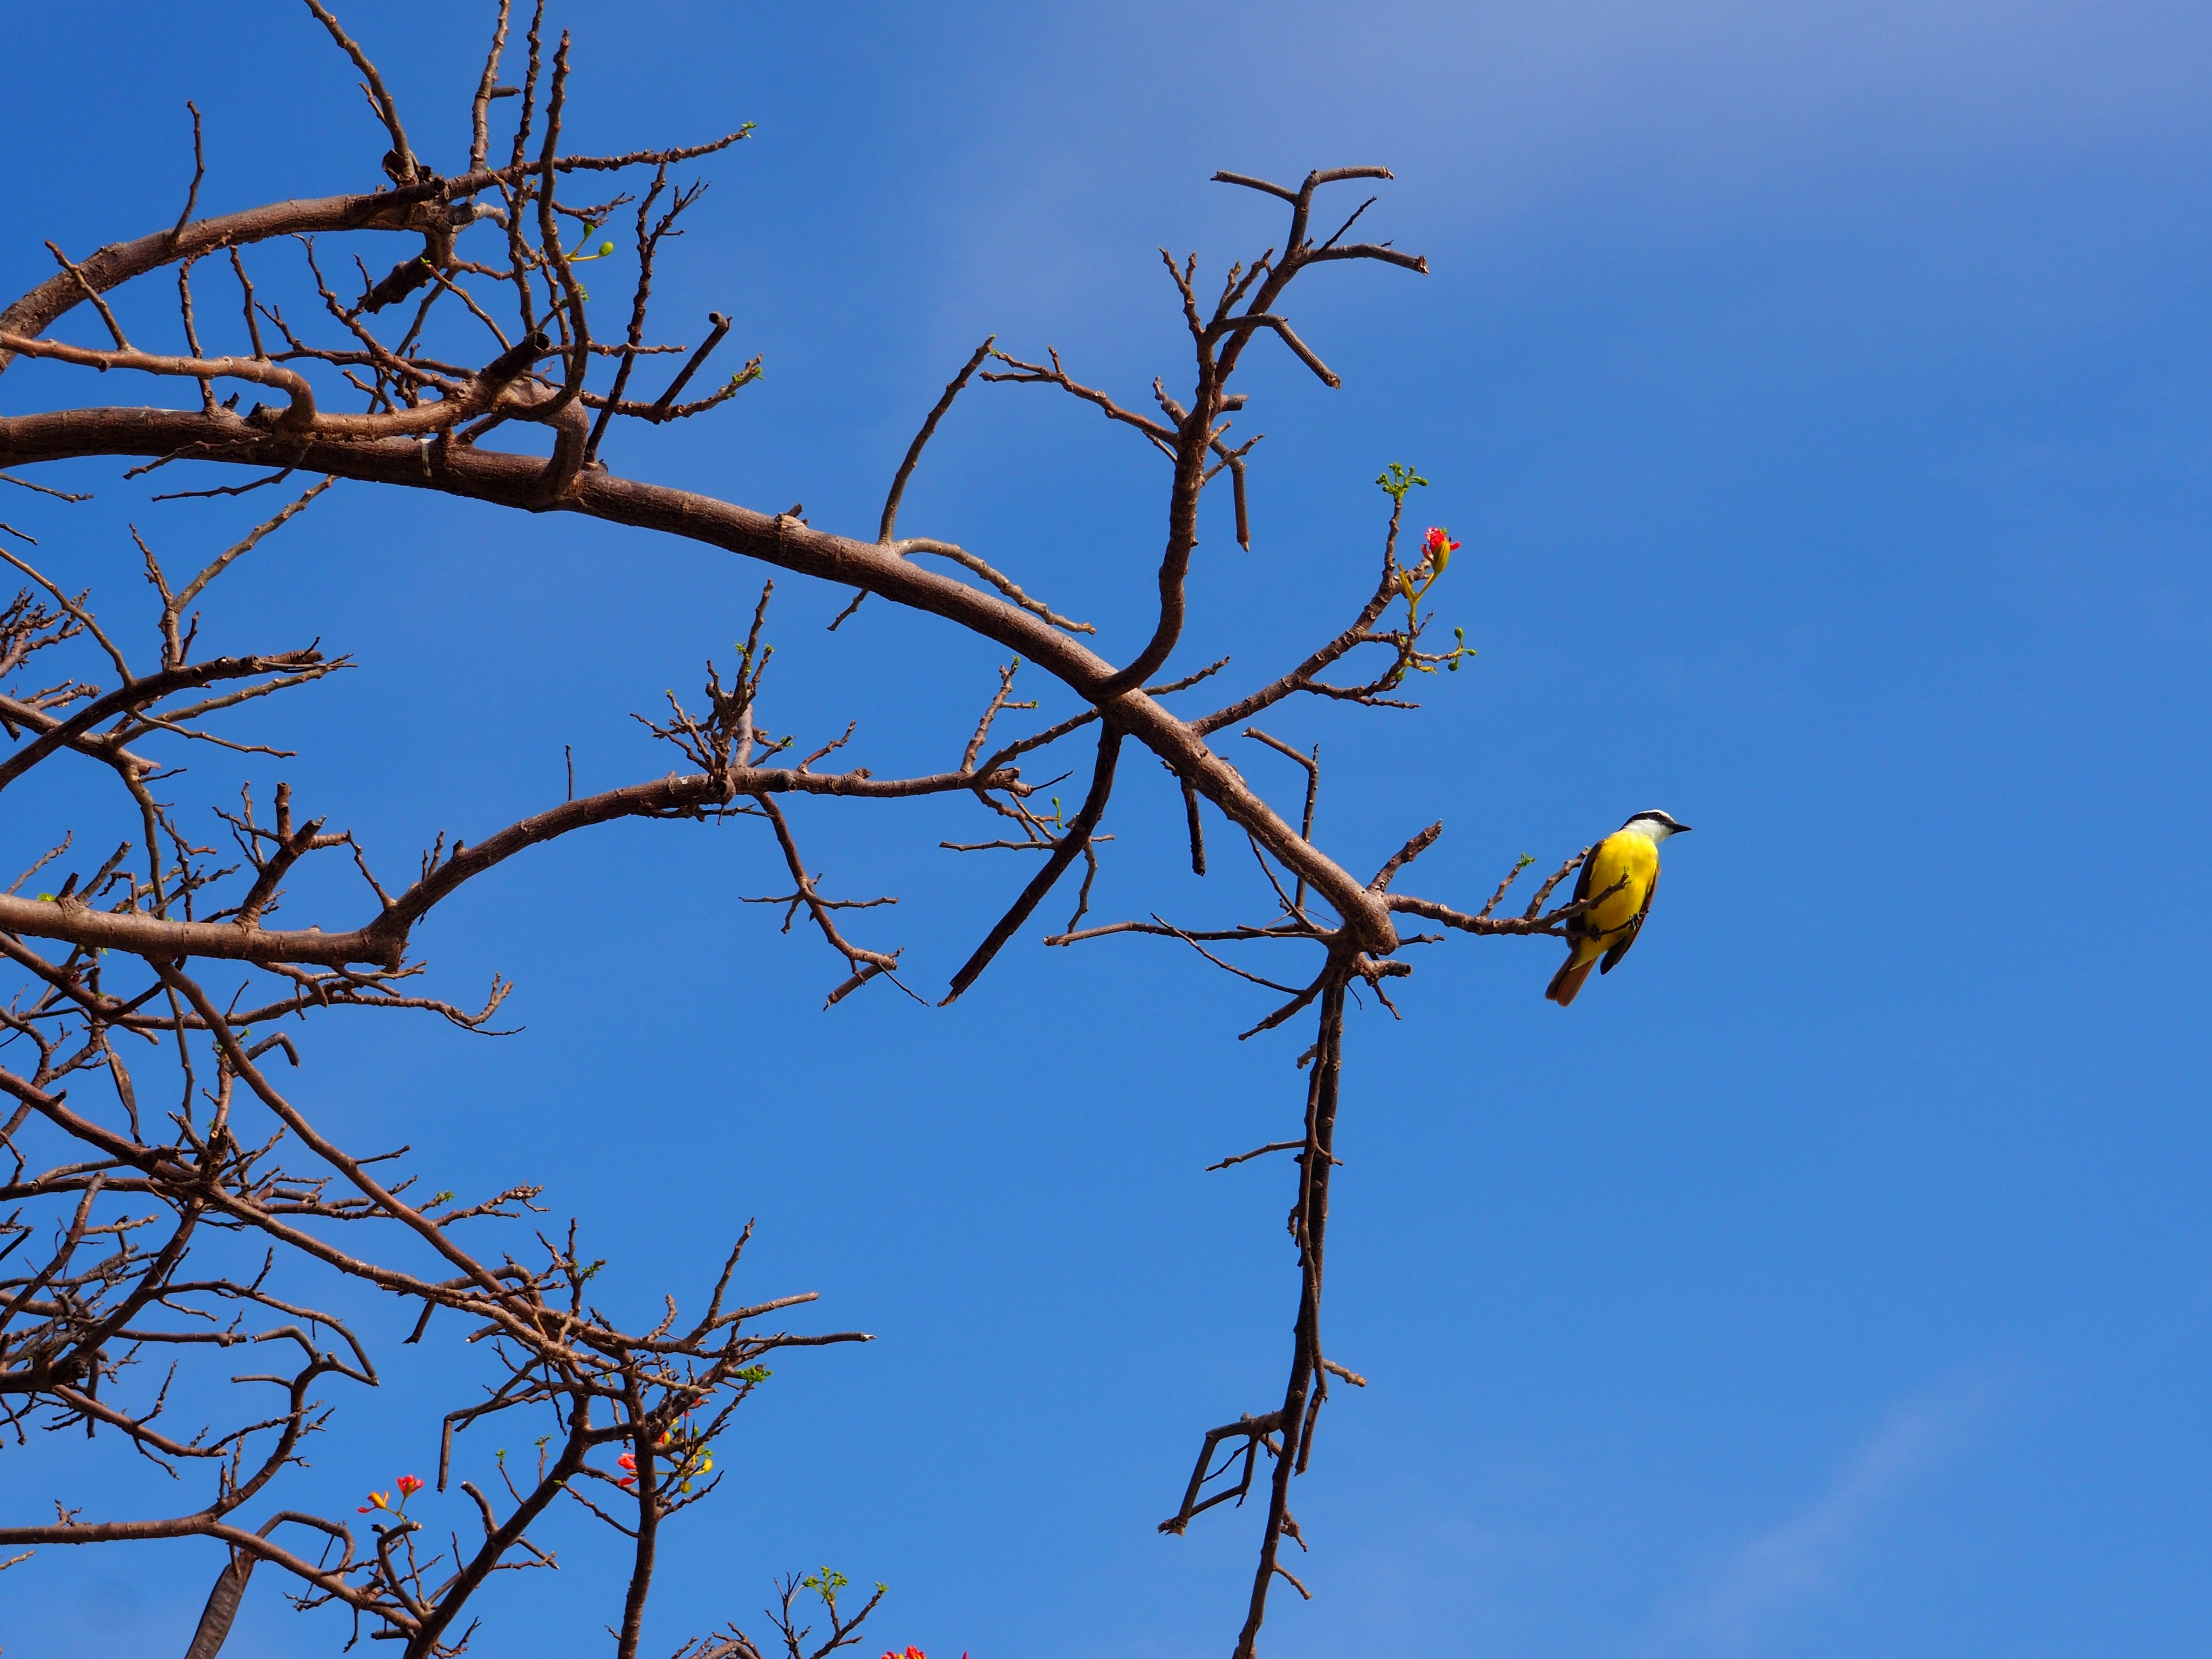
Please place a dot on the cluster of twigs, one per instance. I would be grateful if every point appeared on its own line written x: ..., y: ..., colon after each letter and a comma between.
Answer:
x: 163, y: 955
x: 109, y: 1191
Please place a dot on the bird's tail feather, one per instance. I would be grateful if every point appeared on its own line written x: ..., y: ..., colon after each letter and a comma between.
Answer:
x: 1569, y: 980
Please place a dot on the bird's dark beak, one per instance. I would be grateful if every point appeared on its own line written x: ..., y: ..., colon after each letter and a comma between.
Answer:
x: 1681, y: 829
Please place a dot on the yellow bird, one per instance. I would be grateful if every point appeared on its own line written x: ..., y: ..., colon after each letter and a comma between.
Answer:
x: 1623, y: 867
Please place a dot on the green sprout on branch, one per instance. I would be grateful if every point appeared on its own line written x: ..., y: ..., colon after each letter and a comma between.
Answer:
x: 826, y: 1583
x: 580, y: 255
x: 1396, y: 480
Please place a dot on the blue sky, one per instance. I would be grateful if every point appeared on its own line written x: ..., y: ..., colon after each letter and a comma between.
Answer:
x: 1821, y: 394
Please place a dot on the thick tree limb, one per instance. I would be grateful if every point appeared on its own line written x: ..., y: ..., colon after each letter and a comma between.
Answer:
x: 509, y: 480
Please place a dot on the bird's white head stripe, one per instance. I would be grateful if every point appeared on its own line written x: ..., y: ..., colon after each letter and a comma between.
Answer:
x: 1655, y: 824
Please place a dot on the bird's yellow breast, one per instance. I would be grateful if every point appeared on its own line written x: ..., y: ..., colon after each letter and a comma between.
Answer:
x: 1633, y: 861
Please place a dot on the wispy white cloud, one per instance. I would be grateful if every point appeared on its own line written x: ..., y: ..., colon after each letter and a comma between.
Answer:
x: 1804, y: 1558
x: 1650, y: 117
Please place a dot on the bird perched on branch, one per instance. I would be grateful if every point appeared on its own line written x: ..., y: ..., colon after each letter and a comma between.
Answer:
x: 1621, y: 873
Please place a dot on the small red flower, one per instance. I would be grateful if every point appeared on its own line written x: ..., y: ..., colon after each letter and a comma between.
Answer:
x: 377, y: 1500
x: 1437, y: 548
x: 630, y: 1463
x: 408, y: 1485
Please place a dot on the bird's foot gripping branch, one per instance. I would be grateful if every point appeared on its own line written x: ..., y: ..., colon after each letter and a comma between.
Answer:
x: 480, y: 366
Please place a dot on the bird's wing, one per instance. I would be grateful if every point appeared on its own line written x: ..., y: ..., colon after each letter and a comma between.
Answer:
x: 1635, y: 926
x: 1575, y: 926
